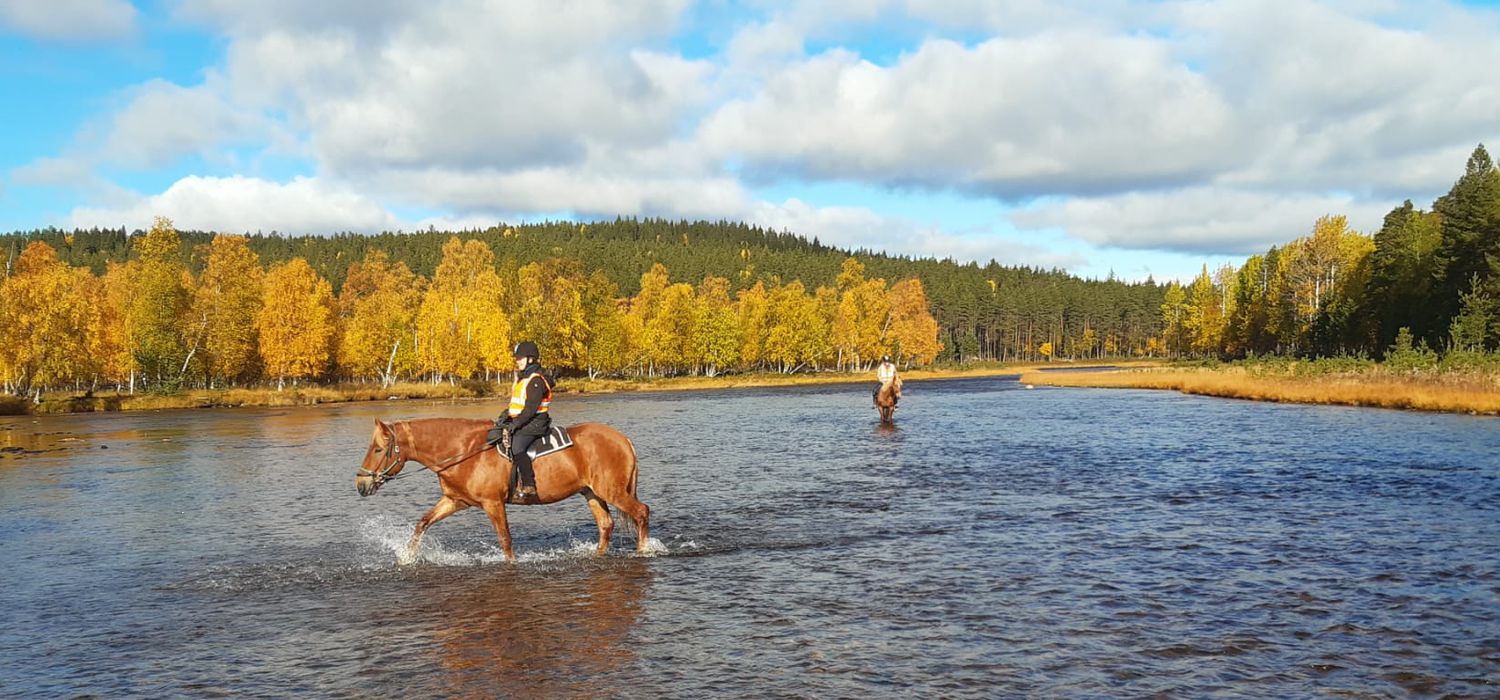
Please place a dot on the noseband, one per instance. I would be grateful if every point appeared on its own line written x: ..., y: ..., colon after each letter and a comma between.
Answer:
x: 383, y: 474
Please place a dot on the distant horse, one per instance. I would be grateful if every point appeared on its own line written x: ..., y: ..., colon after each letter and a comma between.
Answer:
x: 885, y: 400
x: 600, y: 465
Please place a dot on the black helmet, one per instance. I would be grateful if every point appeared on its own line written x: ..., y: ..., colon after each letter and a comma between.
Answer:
x: 526, y: 348
x: 885, y: 358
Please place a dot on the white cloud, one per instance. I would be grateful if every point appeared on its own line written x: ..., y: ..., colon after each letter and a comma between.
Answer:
x: 69, y: 20
x: 1059, y: 112
x: 53, y: 172
x: 580, y: 191
x: 1205, y: 220
x: 1338, y: 98
x: 163, y: 121
x: 857, y: 228
x: 477, y: 85
x: 1218, y: 126
x: 241, y: 204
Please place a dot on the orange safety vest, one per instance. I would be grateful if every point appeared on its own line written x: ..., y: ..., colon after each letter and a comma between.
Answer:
x: 518, y: 395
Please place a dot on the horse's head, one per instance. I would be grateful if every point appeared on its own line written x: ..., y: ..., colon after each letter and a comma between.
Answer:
x: 383, y: 461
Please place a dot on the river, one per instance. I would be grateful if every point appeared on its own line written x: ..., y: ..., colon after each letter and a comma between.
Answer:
x: 998, y: 542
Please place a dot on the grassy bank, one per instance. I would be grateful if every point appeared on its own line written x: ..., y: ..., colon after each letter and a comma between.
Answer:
x: 1365, y: 385
x: 306, y: 396
x: 229, y: 398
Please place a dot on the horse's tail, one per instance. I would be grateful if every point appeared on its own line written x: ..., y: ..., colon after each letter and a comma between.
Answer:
x: 630, y: 482
x: 634, y: 464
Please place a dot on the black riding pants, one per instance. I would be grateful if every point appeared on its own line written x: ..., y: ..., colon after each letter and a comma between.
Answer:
x: 519, y: 441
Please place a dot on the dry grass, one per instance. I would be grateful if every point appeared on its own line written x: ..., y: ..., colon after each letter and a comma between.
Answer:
x: 738, y: 381
x: 63, y: 402
x: 227, y: 398
x: 1451, y: 392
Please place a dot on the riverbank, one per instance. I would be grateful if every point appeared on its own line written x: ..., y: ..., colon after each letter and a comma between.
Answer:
x: 65, y: 402
x: 1453, y: 392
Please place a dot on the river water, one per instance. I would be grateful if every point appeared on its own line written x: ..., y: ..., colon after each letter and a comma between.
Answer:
x: 998, y: 542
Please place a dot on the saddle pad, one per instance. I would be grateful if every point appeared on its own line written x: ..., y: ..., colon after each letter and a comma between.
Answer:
x: 557, y: 438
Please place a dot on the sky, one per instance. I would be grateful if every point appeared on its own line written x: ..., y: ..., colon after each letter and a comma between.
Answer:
x: 1104, y: 137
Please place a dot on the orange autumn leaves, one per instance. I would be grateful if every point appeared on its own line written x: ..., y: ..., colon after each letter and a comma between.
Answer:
x: 153, y: 323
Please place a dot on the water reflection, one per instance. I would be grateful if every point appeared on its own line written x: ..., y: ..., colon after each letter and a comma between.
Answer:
x: 517, y: 632
x: 994, y: 542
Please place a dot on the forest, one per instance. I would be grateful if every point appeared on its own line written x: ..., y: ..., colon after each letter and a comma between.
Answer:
x: 165, y: 309
x: 1428, y: 281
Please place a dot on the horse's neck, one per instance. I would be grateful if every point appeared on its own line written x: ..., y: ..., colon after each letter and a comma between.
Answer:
x: 411, y: 444
x: 428, y: 441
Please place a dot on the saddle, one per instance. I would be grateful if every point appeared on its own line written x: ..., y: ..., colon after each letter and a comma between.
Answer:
x: 555, y: 439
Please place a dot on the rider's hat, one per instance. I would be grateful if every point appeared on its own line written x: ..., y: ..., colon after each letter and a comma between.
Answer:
x: 526, y: 348
x: 885, y: 358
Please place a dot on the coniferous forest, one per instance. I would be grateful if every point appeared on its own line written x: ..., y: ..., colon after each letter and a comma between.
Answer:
x: 163, y: 309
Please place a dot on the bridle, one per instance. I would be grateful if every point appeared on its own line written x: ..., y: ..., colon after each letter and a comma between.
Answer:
x: 393, y: 450
x: 383, y: 474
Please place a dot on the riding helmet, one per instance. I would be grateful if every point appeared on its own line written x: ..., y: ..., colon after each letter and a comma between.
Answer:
x: 526, y: 348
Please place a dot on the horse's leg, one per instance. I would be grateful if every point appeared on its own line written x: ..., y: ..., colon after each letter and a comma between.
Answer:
x: 602, y: 519
x: 639, y: 512
x: 496, y: 511
x: 445, y: 507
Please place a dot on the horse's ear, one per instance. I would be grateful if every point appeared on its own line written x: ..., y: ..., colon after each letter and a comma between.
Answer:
x: 382, y: 428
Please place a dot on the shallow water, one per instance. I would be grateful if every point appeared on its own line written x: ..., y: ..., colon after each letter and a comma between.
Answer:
x: 998, y: 542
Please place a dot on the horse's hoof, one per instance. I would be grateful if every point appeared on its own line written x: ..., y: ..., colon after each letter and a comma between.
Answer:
x: 406, y: 557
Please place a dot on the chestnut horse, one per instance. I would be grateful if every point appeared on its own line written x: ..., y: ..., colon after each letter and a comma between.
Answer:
x: 885, y: 400
x: 600, y: 465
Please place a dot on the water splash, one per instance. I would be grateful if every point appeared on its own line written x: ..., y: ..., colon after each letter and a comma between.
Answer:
x: 390, y: 536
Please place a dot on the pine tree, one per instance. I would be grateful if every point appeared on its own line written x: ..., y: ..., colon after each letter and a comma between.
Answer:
x: 1469, y: 246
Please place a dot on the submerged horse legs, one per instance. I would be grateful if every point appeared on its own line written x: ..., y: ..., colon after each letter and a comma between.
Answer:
x: 638, y: 513
x: 602, y: 519
x: 444, y: 508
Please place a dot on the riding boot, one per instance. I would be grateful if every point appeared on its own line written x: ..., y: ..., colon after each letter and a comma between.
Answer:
x: 526, y: 490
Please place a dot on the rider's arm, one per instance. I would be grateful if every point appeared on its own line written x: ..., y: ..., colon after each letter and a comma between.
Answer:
x: 535, y: 390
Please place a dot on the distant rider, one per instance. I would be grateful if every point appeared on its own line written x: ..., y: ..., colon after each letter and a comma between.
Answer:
x: 886, y: 373
x: 527, y: 417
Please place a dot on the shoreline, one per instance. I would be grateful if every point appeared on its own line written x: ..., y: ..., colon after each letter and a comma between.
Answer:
x: 111, y: 402
x: 1474, y: 394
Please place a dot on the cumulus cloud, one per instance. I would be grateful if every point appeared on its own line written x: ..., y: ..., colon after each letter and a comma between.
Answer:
x: 69, y: 20
x: 163, y: 121
x: 477, y: 85
x: 1203, y: 127
x: 242, y: 204
x: 1341, y: 99
x: 858, y: 228
x: 1205, y: 220
x: 1058, y: 112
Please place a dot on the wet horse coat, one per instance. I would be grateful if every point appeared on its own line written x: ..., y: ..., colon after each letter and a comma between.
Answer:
x: 601, y: 465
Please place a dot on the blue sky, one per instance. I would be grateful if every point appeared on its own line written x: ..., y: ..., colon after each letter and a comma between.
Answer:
x: 1108, y: 136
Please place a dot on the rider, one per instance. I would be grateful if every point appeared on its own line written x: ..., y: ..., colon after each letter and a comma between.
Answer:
x: 886, y: 373
x: 527, y: 417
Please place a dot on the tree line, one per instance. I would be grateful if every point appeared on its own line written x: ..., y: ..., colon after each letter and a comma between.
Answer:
x: 164, y: 308
x: 218, y: 316
x: 983, y: 312
x: 1427, y: 280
